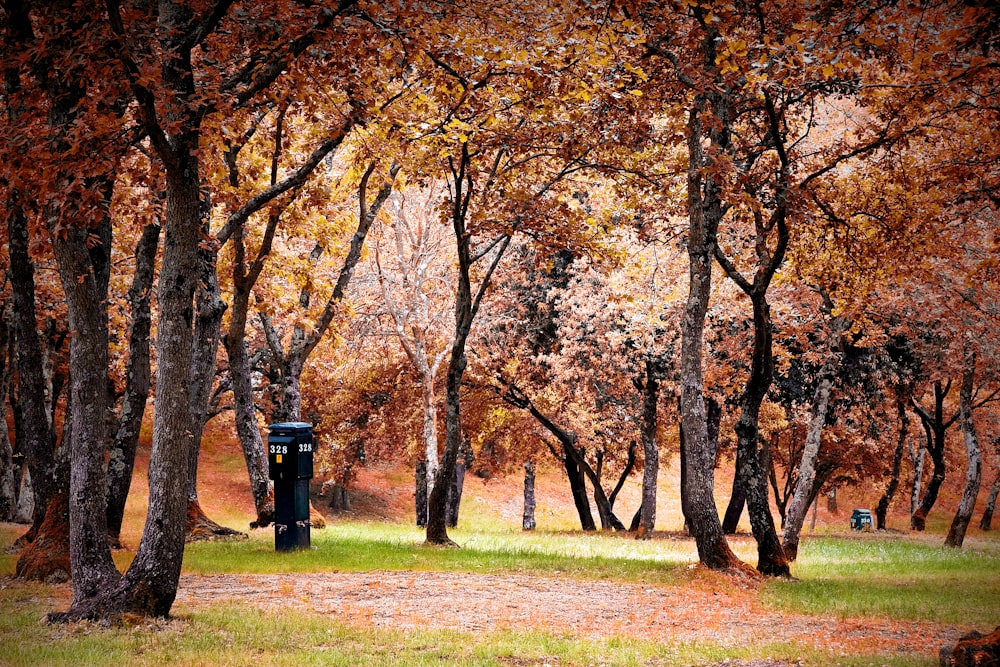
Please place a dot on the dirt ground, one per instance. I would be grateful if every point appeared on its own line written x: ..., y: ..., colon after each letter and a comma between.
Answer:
x: 718, y: 609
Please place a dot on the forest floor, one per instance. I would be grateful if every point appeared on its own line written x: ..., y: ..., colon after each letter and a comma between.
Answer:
x: 702, y: 608
x: 705, y: 608
x: 711, y: 608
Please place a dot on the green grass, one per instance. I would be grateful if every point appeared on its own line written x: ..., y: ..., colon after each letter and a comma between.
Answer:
x: 355, y: 547
x: 860, y: 576
x: 893, y: 577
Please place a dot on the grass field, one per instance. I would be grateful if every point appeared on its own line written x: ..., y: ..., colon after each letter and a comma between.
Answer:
x: 895, y: 580
x: 869, y: 576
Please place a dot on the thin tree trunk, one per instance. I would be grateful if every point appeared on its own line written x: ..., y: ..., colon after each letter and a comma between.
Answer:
x: 937, y: 426
x: 243, y: 401
x: 466, y: 306
x: 429, y: 403
x: 986, y: 523
x: 578, y: 488
x: 137, y: 381
x: 734, y: 510
x: 292, y: 362
x: 799, y: 505
x: 420, y: 493
x: 9, y: 470
x: 650, y: 450
x: 897, y: 459
x: 974, y: 470
x: 455, y: 493
x: 528, y: 517
x: 210, y: 309
x: 917, y: 458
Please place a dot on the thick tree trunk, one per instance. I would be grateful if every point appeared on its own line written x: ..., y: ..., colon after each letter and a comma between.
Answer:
x: 528, y: 517
x: 93, y: 570
x: 705, y: 213
x: 137, y: 381
x: 35, y: 433
x: 150, y: 584
x: 799, y: 505
x: 650, y: 450
x: 882, y: 509
x: 420, y: 492
x: 974, y: 470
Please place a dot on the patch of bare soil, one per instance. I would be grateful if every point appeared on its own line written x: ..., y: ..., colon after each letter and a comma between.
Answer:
x: 716, y: 609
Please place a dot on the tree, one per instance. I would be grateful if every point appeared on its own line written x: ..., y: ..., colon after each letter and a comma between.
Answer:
x: 804, y: 494
x: 155, y: 47
x: 412, y: 292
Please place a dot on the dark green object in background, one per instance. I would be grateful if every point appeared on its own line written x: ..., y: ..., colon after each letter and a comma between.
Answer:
x: 861, y: 520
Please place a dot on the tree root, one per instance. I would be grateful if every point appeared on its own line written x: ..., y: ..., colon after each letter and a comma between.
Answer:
x: 199, y: 528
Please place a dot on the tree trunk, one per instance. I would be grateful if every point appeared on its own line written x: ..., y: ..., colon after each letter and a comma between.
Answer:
x: 897, y: 459
x: 734, y: 510
x: 437, y: 531
x: 986, y: 523
x: 93, y: 570
x: 831, y: 501
x: 245, y: 411
x: 771, y: 559
x: 917, y: 458
x: 455, y: 493
x: 46, y: 557
x: 340, y: 501
x: 150, y: 584
x: 9, y: 469
x: 578, y: 487
x: 466, y: 307
x: 974, y: 470
x: 34, y: 438
x: 137, y: 380
x: 650, y: 450
x: 528, y: 517
x: 420, y: 493
x: 936, y: 426
x: 799, y: 505
x: 291, y: 363
x: 430, y: 437
x: 705, y: 213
